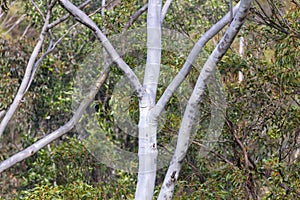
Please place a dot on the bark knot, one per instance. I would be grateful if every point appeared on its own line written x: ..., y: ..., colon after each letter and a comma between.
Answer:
x: 173, y: 178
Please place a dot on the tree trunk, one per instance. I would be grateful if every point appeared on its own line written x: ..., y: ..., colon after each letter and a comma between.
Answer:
x: 147, y: 122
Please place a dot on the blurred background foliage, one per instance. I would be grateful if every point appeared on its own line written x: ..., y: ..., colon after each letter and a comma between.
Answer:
x: 255, y: 157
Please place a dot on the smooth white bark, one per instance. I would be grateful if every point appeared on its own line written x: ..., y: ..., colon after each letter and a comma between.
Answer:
x: 241, y: 51
x: 147, y: 124
x: 187, y: 124
x: 66, y: 16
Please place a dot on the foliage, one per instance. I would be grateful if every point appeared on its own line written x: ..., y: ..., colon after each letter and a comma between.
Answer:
x: 69, y: 171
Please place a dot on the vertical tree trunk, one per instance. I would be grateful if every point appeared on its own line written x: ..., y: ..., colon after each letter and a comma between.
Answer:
x: 147, y: 123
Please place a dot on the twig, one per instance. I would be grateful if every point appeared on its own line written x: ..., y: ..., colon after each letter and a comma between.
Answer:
x: 215, y: 153
x: 25, y: 31
x: 241, y: 145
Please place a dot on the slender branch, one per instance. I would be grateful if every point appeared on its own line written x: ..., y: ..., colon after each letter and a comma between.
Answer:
x: 81, y: 6
x: 165, y: 10
x: 241, y: 145
x: 104, y: 31
x: 66, y: 16
x: 38, y: 9
x: 135, y: 16
x: 8, y: 19
x: 85, y: 20
x: 188, y: 121
x: 2, y: 14
x: 231, y: 10
x: 25, y: 31
x: 50, y: 49
x: 26, y: 79
x: 16, y: 23
x: 32, y: 149
x: 272, y: 16
x: 215, y: 153
x: 180, y: 77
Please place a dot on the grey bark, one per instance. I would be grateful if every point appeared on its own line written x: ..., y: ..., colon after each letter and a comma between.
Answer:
x: 2, y: 113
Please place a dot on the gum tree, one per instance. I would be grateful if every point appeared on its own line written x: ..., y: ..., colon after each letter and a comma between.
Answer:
x: 150, y: 109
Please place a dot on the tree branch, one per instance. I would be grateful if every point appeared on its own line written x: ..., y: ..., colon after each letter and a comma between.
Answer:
x: 38, y: 9
x: 26, y: 79
x: 84, y: 4
x: 85, y: 20
x: 215, y: 153
x: 190, y: 112
x: 51, y: 47
x: 32, y: 149
x: 180, y: 77
x: 135, y: 16
x: 16, y: 23
x: 165, y: 10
